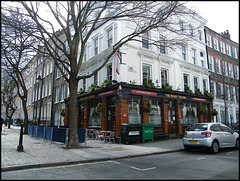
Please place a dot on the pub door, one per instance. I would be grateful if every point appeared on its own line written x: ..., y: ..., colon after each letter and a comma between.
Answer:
x: 81, y: 116
x: 172, y: 118
x: 111, y: 121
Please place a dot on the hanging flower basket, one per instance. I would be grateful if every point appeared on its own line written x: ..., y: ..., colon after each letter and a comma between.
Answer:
x: 148, y: 107
x: 63, y: 114
x: 214, y: 113
x: 204, y: 110
x: 99, y: 109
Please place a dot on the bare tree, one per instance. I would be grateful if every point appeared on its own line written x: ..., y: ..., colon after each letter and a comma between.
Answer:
x: 7, y: 96
x: 17, y: 47
x: 79, y: 20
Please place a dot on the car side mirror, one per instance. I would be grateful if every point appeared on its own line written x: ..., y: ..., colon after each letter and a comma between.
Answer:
x: 232, y: 131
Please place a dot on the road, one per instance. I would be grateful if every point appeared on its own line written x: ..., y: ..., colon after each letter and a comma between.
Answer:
x: 195, y: 165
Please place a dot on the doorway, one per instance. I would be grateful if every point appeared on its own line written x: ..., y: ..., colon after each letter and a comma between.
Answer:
x: 172, y: 118
x: 111, y: 121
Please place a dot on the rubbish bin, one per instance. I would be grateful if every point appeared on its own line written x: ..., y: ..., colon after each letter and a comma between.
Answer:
x: 131, y: 133
x: 147, y: 131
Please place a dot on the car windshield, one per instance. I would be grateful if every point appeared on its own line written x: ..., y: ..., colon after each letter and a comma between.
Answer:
x: 197, y: 127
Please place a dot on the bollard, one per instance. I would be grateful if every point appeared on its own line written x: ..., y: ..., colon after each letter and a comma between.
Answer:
x: 20, y: 146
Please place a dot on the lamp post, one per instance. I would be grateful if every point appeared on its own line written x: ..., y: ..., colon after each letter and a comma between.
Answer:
x: 39, y: 79
x: 20, y: 146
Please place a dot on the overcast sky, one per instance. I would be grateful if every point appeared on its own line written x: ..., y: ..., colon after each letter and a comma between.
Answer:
x: 221, y: 15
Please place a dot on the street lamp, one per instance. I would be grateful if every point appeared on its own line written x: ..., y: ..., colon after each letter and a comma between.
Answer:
x: 39, y: 79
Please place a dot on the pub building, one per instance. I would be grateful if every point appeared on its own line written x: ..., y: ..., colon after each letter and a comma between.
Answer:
x: 122, y: 103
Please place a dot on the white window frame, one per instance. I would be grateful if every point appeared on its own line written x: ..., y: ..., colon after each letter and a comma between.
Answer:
x: 211, y: 63
x: 215, y: 44
x: 222, y: 45
x: 209, y: 41
x: 228, y: 50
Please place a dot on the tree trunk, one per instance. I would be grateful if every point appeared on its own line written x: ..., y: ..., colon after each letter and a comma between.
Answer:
x: 73, y: 129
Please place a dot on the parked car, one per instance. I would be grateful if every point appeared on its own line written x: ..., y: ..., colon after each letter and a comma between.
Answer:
x: 210, y: 135
x: 235, y: 127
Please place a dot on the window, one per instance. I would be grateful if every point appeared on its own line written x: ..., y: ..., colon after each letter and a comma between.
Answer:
x: 225, y: 68
x: 58, y: 73
x: 191, y: 30
x: 95, y: 81
x: 202, y: 59
x: 222, y: 47
x: 164, y: 76
x: 145, y: 40
x: 186, y: 80
x: 146, y: 70
x: 109, y: 37
x: 109, y: 72
x: 213, y: 88
x: 209, y: 41
x: 94, y: 118
x: 200, y: 35
x: 162, y: 45
x: 232, y: 94
x: 219, y: 90
x: 134, y: 114
x: 215, y: 41
x: 219, y: 70
x: 194, y: 56
x: 230, y: 66
x: 95, y: 42
x: 181, y: 25
x: 228, y: 50
x: 215, y: 127
x: 237, y: 94
x: 234, y: 52
x: 46, y: 89
x: 204, y: 85
x: 85, y: 54
x: 236, y: 72
x: 189, y: 113
x: 57, y: 95
x: 57, y: 119
x: 195, y: 81
x: 184, y: 53
x: 155, y: 116
x: 211, y: 63
x: 84, y: 84
x: 50, y: 88
x: 63, y: 89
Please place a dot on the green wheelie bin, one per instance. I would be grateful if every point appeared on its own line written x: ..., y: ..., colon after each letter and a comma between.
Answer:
x: 147, y: 131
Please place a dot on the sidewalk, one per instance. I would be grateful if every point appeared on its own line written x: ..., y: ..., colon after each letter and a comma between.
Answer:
x: 40, y: 152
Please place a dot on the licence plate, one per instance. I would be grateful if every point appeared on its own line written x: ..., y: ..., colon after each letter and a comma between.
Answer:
x: 193, y: 141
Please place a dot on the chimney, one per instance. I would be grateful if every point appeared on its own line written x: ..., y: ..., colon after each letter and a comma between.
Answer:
x: 226, y: 34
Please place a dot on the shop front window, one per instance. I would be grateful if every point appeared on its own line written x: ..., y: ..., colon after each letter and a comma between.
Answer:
x: 94, y: 117
x: 189, y: 113
x: 134, y: 115
x: 155, y: 115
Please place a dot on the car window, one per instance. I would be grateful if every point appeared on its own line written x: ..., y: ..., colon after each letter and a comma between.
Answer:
x: 215, y: 127
x: 225, y: 129
x: 197, y: 127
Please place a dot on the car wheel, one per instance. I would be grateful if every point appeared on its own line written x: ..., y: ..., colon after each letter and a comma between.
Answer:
x: 215, y: 147
x: 237, y: 144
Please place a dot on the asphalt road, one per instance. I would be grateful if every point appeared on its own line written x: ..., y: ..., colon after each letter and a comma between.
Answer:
x: 195, y: 165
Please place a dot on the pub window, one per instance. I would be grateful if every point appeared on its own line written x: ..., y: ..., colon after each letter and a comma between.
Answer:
x: 94, y: 117
x: 155, y: 116
x: 134, y: 114
x: 189, y: 113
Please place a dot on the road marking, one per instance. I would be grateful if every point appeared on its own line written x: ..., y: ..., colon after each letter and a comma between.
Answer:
x: 201, y: 158
x: 228, y: 153
x: 145, y: 169
x: 114, y: 162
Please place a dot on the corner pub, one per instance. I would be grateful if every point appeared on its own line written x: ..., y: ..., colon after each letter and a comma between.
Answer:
x: 171, y: 111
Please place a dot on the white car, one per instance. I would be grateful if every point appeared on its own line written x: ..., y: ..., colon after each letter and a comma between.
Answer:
x: 210, y: 135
